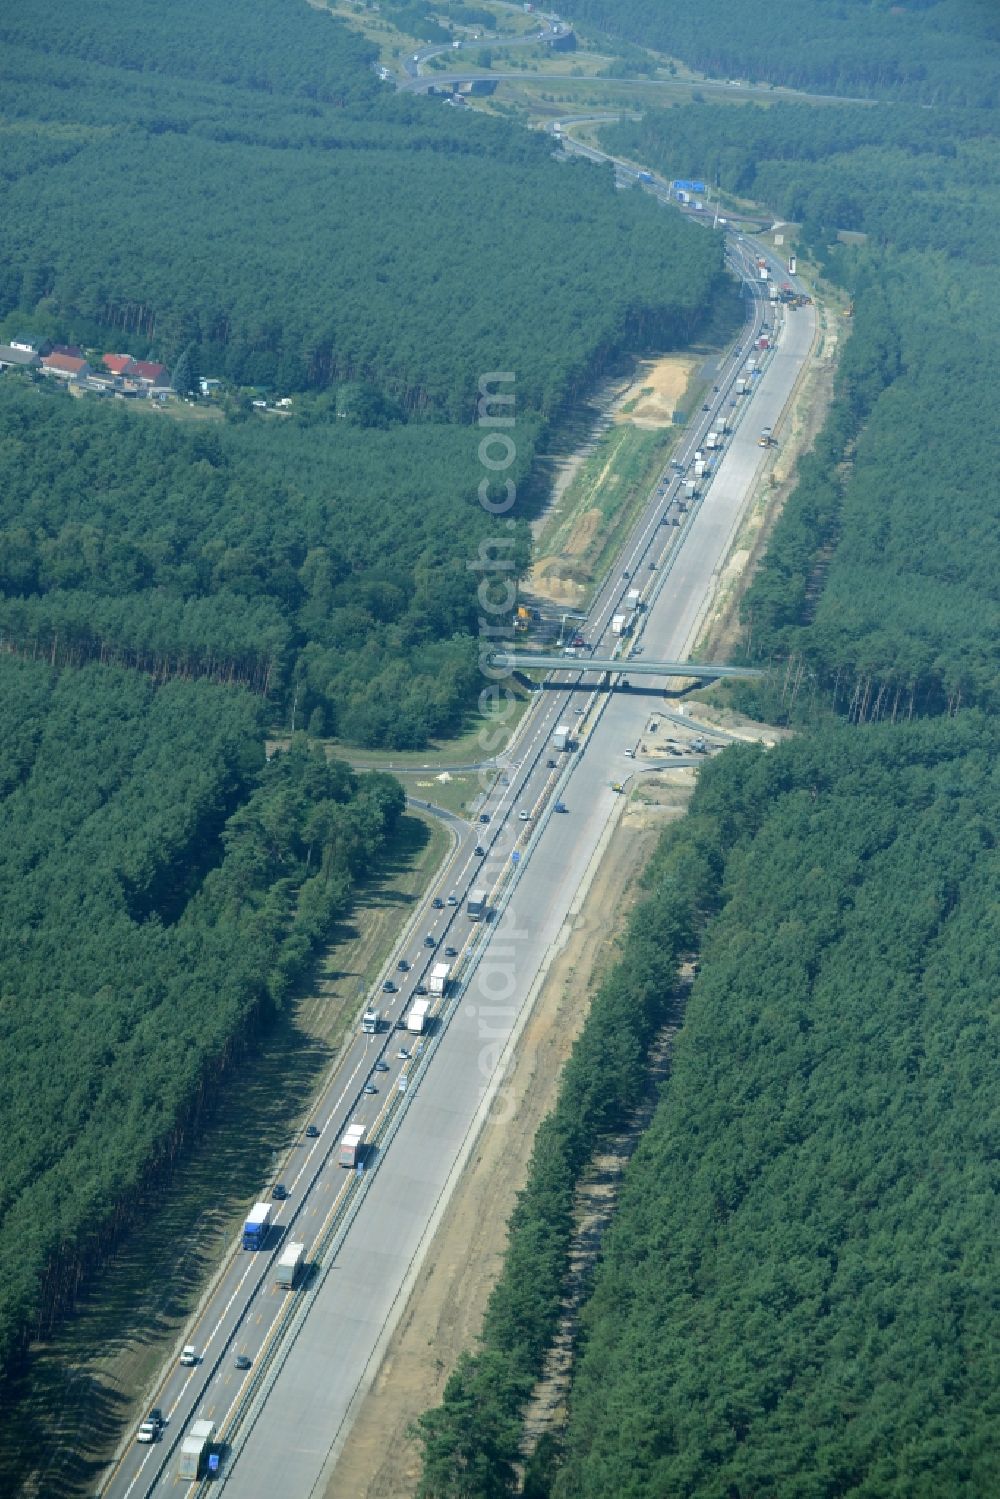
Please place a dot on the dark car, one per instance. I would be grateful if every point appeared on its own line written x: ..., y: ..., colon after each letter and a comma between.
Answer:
x: 243, y: 1361
x: 403, y: 966
x: 388, y: 987
x: 369, y: 1088
x: 278, y: 1192
x: 479, y: 851
x: 561, y: 807
x: 437, y: 903
x: 312, y: 1133
x: 430, y: 941
x: 550, y: 765
x: 716, y: 388
x: 484, y: 817
x: 706, y: 407
x: 381, y: 1066
x: 451, y: 952
x: 420, y: 989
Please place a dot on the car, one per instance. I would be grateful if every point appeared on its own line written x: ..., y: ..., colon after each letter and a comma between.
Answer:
x: 479, y: 852
x: 369, y: 1088
x: 403, y: 965
x: 381, y: 1066
x: 675, y: 521
x: 430, y: 940
x: 420, y: 989
x: 578, y: 711
x: 715, y: 389
x: 401, y: 1085
x: 524, y: 816
x: 312, y: 1132
x: 561, y: 807
x: 550, y: 765
x: 484, y: 817
x: 403, y: 1054
x: 653, y: 566
x: 706, y: 407
x: 278, y: 1192
x: 189, y: 1355
x: 437, y: 903
x: 243, y: 1361
x: 151, y: 1428
x: 453, y: 900
x: 630, y: 753
x: 388, y: 987
x: 451, y: 952
x: 625, y: 577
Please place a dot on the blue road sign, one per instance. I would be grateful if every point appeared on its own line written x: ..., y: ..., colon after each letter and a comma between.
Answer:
x: 515, y: 857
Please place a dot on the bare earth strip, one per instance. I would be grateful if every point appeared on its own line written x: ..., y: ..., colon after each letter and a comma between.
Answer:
x: 445, y: 1312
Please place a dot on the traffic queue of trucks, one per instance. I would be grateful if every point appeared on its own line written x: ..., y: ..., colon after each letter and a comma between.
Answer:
x: 256, y: 1225
x: 438, y: 981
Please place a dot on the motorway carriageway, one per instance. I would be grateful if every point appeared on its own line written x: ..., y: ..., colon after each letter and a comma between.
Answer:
x: 314, y: 1351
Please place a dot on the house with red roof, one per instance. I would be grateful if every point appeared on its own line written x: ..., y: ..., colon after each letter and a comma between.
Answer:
x: 117, y: 363
x: 65, y: 367
x: 153, y: 376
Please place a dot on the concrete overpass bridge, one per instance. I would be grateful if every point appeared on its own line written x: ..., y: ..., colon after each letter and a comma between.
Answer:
x: 634, y: 666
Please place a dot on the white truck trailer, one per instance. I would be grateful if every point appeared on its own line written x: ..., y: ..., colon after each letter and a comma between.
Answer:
x: 417, y: 1018
x: 352, y: 1145
x: 289, y: 1266
x: 195, y: 1450
x: 560, y: 738
x: 438, y: 981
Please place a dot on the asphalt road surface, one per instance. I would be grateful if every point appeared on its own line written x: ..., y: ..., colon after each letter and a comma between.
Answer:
x: 314, y: 1350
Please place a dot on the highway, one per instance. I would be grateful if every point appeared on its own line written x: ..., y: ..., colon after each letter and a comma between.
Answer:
x: 313, y: 1351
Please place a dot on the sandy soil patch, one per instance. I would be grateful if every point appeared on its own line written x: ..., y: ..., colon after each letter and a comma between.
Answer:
x: 657, y: 390
x: 444, y: 1313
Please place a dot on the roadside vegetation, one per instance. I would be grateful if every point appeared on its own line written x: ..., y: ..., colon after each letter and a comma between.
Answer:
x: 164, y: 889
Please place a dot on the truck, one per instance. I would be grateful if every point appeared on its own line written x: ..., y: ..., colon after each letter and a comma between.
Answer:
x: 417, y: 1018
x: 792, y: 263
x: 634, y: 598
x: 763, y: 273
x: 352, y: 1146
x: 765, y: 439
x: 645, y: 176
x: 370, y: 1022
x: 256, y: 1225
x: 289, y: 1266
x: 700, y: 468
x: 722, y: 422
x: 712, y: 440
x: 691, y: 490
x: 440, y: 974
x: 621, y: 624
x: 772, y: 291
x: 763, y: 343
x: 195, y: 1450
x: 476, y: 906
x: 560, y: 738
x: 741, y: 386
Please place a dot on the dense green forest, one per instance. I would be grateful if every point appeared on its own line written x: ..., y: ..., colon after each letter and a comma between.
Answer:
x: 880, y: 584
x: 228, y: 183
x: 269, y: 201
x: 798, y: 1293
x: 162, y: 889
x: 317, y: 563
x: 933, y: 51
